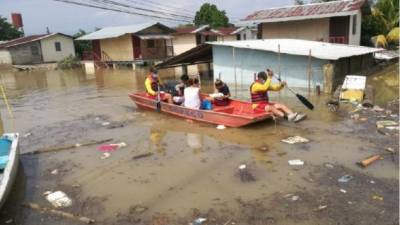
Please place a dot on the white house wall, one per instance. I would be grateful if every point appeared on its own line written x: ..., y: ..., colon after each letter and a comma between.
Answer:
x: 293, y: 69
x: 49, y: 50
x: 5, y: 57
x: 183, y: 42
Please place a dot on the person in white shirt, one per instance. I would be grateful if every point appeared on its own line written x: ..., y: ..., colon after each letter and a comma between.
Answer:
x: 192, y: 94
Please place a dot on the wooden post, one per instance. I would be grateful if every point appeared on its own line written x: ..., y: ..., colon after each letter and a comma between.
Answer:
x: 309, y: 72
x: 279, y: 61
x: 219, y: 75
x: 234, y: 69
x: 184, y: 70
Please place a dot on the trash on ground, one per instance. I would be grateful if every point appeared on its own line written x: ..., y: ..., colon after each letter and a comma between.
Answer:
x: 295, y: 139
x: 378, y: 109
x: 105, y: 155
x: 385, y: 123
x: 343, y: 191
x: 9, y: 221
x: 355, y: 116
x: 27, y: 134
x: 377, y: 197
x: 296, y: 162
x: 67, y: 215
x: 111, y: 147
x: 244, y: 174
x: 105, y: 124
x: 353, y: 88
x: 59, y: 199
x: 392, y: 128
x: 142, y: 155
x: 372, y: 182
x: 328, y: 165
x: 346, y: 178
x: 368, y: 161
x: 295, y: 198
x: 389, y: 149
x: 322, y: 207
x: 363, y: 119
x: 54, y: 172
x: 221, y: 127
x: 198, y: 221
x: 137, y: 209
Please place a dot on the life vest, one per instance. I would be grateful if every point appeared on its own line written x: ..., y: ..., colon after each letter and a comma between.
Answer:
x: 261, y: 96
x: 154, y: 83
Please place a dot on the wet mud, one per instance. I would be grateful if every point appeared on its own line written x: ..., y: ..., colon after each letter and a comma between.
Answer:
x: 173, y: 171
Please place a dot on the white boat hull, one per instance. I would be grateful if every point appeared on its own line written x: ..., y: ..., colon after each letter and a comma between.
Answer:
x: 10, y: 172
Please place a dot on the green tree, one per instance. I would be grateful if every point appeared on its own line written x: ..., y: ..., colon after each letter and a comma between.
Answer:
x: 381, y: 26
x: 209, y: 14
x: 7, y: 31
x: 298, y: 2
x: 82, y: 46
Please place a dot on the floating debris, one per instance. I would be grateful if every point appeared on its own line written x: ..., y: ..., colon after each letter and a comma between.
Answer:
x: 346, y: 178
x: 295, y: 198
x: 198, y: 221
x: 385, y: 123
x: 221, y: 127
x: 27, y: 134
x: 377, y: 197
x: 105, y: 155
x: 58, y: 199
x: 142, y: 155
x: 105, y: 124
x: 244, y: 174
x: 328, y: 165
x: 343, y: 191
x: 111, y: 147
x: 54, y: 172
x: 296, y: 162
x: 295, y: 139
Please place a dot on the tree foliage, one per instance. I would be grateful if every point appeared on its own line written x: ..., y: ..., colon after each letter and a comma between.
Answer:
x: 7, y: 31
x: 382, y: 24
x: 82, y: 46
x: 298, y: 2
x: 209, y: 14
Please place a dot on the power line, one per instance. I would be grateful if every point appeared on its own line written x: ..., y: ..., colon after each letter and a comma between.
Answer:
x: 114, y: 3
x: 122, y: 10
x: 164, y: 7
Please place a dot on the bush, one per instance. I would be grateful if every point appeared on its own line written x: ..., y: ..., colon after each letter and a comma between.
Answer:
x: 69, y: 63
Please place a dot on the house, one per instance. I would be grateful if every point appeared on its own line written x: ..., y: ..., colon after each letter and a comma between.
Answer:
x: 335, y: 22
x: 35, y: 49
x: 188, y: 37
x: 131, y: 44
x: 300, y: 62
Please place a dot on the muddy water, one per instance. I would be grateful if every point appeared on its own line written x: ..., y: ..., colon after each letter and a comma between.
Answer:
x: 193, y: 165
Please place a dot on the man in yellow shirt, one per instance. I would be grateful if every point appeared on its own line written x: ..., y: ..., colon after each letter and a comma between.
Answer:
x: 152, y: 83
x: 259, y: 97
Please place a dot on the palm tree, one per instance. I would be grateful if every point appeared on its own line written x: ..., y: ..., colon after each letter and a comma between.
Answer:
x: 386, y: 16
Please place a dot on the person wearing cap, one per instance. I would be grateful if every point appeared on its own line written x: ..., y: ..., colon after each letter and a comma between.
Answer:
x: 152, y: 83
x: 260, y: 100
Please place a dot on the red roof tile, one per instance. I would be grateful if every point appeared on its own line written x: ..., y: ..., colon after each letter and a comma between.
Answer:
x: 327, y: 9
x: 185, y: 30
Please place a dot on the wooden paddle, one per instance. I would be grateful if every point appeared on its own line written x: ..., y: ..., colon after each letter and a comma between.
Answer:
x: 301, y: 98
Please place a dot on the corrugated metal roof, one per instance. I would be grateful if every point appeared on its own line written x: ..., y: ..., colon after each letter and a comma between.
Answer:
x: 309, y: 11
x: 113, y: 32
x: 28, y: 39
x: 321, y: 50
x: 206, y: 30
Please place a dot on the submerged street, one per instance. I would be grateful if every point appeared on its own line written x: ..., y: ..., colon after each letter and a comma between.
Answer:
x: 190, y: 169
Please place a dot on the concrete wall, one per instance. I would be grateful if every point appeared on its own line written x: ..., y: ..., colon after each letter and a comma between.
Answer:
x: 119, y: 49
x: 49, y: 50
x: 23, y: 54
x: 313, y: 29
x: 294, y: 69
x: 248, y: 34
x: 355, y: 39
x: 183, y: 42
x: 5, y: 57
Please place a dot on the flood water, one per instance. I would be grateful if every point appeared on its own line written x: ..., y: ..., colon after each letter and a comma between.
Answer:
x: 193, y: 166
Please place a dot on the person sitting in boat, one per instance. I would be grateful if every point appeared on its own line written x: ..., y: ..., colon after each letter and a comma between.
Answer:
x: 259, y: 97
x: 221, y: 94
x: 152, y: 84
x: 192, y: 94
x: 179, y: 88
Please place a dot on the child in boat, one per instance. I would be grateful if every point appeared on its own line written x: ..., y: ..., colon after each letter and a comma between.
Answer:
x: 259, y: 97
x: 179, y: 88
x: 221, y: 94
x: 152, y: 83
x: 192, y: 94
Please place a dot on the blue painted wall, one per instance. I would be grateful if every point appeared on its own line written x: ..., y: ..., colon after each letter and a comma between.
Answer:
x: 294, y: 69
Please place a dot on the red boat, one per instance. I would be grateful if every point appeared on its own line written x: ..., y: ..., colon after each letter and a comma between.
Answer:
x: 236, y: 114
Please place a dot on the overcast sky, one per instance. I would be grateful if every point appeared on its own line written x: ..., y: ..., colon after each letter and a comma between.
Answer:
x: 66, y: 18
